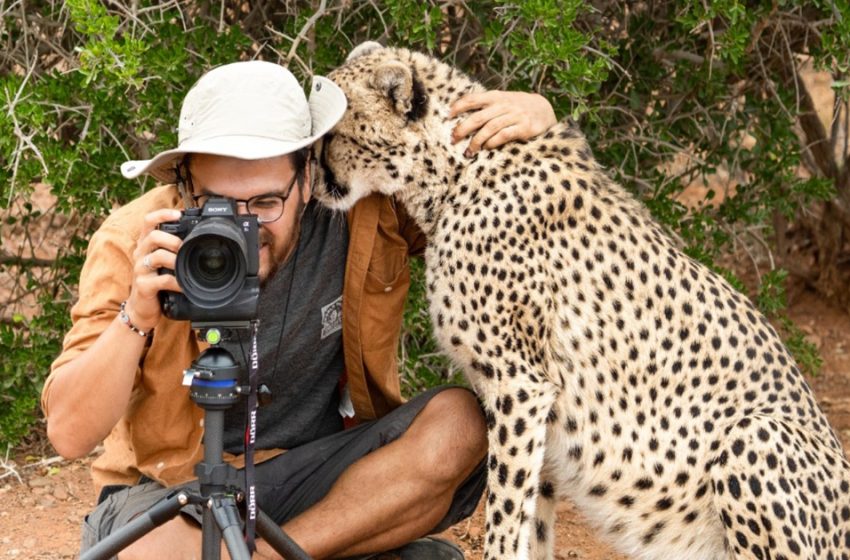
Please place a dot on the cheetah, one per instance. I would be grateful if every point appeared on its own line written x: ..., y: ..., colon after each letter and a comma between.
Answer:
x: 613, y: 369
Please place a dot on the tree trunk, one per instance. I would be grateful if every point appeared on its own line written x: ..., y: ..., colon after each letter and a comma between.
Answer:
x: 829, y: 230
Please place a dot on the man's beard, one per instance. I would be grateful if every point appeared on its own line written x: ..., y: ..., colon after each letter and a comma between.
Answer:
x: 278, y: 256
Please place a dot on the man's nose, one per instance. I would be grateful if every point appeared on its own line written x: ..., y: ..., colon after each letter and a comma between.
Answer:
x: 242, y: 207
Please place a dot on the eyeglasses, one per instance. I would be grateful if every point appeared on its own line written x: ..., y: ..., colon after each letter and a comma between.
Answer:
x: 266, y: 207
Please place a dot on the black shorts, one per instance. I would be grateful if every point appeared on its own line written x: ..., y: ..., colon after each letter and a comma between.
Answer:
x: 290, y: 483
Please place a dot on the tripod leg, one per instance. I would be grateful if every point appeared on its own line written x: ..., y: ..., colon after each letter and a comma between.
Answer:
x: 210, y: 536
x: 159, y: 513
x: 280, y: 541
x: 227, y: 520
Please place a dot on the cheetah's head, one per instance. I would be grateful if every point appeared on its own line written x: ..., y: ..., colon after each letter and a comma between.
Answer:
x: 395, y: 128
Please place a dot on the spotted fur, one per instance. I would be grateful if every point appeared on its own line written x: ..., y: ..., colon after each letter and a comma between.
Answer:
x: 615, y: 371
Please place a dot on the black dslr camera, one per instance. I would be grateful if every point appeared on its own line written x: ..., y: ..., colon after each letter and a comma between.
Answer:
x: 217, y: 266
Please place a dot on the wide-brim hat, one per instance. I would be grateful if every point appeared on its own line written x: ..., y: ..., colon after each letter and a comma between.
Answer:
x: 247, y: 110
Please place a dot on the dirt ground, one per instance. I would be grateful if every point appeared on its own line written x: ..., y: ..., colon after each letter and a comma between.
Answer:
x: 42, y: 499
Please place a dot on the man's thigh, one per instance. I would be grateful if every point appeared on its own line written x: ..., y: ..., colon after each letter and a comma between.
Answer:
x: 293, y: 482
x: 119, y: 508
x: 290, y: 483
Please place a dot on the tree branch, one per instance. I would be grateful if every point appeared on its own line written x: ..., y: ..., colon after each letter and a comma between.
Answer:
x: 14, y: 260
x: 308, y: 25
x: 817, y: 139
x: 679, y: 54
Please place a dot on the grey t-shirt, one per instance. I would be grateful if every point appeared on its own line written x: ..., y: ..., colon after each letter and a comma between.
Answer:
x: 301, y: 365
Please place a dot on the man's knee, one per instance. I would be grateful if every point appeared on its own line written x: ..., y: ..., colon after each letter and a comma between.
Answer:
x: 450, y: 434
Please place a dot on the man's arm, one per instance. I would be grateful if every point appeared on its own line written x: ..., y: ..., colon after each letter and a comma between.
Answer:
x: 85, y: 397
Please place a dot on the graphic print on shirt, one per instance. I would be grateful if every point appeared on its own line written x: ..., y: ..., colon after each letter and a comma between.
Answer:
x: 332, y: 317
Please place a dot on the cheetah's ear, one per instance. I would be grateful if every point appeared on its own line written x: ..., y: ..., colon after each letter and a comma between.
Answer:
x: 395, y: 81
x: 398, y: 82
x: 362, y: 49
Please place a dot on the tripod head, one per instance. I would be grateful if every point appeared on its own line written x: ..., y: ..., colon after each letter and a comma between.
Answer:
x: 214, y: 376
x: 213, y: 379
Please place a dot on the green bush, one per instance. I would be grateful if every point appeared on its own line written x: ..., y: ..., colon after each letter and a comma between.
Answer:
x: 666, y: 91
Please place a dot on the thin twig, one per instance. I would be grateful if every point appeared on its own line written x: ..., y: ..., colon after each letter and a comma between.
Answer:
x: 9, y: 467
x: 302, y: 35
x: 23, y: 139
x: 607, y: 59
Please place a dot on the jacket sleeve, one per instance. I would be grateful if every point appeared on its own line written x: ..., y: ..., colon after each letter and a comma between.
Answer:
x: 408, y: 229
x: 104, y: 283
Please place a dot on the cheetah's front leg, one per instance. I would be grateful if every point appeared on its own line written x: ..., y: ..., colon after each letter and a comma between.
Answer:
x: 517, y: 438
x: 542, y: 544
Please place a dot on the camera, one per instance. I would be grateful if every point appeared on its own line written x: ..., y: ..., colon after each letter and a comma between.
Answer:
x: 217, y: 266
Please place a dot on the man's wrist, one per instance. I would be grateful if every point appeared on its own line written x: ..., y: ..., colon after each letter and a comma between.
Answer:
x: 124, y: 317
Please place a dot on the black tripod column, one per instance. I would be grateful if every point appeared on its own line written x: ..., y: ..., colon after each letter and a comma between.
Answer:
x: 214, y: 388
x: 220, y: 517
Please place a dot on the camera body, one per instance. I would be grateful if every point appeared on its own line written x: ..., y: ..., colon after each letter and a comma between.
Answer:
x: 217, y: 266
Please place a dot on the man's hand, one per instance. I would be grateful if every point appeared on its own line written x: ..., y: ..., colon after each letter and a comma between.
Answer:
x: 499, y: 117
x: 156, y: 249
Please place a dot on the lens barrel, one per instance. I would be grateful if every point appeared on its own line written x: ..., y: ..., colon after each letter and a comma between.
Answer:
x: 212, y: 263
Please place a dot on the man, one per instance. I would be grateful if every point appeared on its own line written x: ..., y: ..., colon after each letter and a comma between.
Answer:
x: 406, y: 470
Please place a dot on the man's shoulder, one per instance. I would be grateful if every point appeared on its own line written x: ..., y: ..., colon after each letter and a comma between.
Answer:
x: 159, y: 197
x: 130, y: 217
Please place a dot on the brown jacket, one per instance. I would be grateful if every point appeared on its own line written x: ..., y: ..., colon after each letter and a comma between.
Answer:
x: 159, y: 436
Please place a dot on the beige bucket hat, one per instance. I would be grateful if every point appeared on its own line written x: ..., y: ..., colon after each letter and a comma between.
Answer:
x: 247, y: 110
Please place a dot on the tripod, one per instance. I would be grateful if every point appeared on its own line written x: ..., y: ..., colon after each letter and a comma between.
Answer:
x: 214, y: 387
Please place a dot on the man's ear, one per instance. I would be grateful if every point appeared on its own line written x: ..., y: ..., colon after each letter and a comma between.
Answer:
x: 306, y: 186
x: 398, y: 83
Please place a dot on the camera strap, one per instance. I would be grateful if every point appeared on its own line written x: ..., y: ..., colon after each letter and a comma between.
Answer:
x: 250, y: 439
x: 251, y: 423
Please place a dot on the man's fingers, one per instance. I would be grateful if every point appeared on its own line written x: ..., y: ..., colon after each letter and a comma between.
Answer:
x: 157, y: 239
x: 499, y: 117
x: 154, y: 260
x: 149, y: 285
x: 470, y: 102
x: 490, y: 129
x: 476, y: 121
x: 505, y: 135
x: 167, y: 241
x: 148, y: 280
x: 153, y: 219
x: 155, y: 250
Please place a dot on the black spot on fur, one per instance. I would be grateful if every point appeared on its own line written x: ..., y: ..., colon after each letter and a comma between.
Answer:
x: 419, y: 103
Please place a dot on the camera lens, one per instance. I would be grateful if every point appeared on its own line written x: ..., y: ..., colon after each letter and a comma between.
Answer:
x: 212, y: 263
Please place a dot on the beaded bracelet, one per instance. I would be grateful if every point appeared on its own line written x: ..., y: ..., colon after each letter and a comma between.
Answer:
x: 124, y: 318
